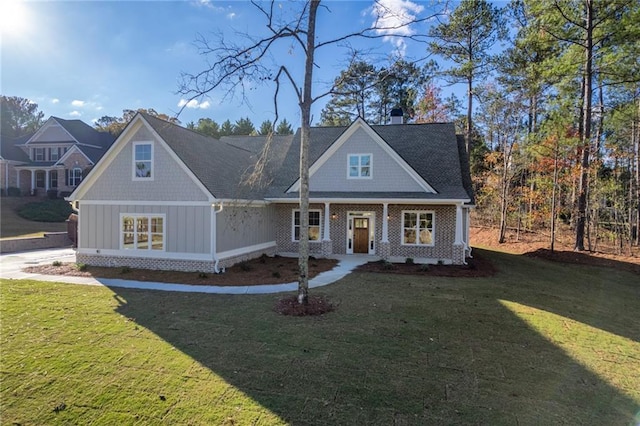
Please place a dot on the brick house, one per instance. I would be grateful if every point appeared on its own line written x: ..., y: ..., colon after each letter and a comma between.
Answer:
x: 55, y: 158
x: 165, y: 197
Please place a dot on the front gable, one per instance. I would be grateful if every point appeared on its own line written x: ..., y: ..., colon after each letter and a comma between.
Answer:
x: 117, y: 178
x: 51, y: 131
x: 361, y: 161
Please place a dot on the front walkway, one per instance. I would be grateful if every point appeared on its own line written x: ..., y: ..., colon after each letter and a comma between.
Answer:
x: 11, y: 268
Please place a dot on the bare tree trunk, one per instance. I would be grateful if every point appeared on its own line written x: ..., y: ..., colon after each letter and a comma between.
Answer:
x: 553, y: 197
x: 586, y: 129
x: 503, y: 196
x: 467, y: 133
x: 305, y: 112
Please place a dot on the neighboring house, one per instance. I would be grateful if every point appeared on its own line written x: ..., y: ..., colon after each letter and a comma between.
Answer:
x: 165, y: 197
x: 54, y: 158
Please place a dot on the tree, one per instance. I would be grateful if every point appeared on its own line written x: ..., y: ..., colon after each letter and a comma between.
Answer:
x: 266, y: 127
x: 234, y: 66
x: 208, y: 127
x: 284, y: 128
x: 19, y: 116
x: 431, y: 108
x: 466, y: 39
x: 244, y: 126
x: 227, y: 128
x: 115, y: 125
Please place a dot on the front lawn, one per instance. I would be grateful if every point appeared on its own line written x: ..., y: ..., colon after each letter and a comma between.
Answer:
x: 538, y: 343
x: 13, y: 225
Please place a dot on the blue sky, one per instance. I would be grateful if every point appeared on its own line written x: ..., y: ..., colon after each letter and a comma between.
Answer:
x: 86, y: 59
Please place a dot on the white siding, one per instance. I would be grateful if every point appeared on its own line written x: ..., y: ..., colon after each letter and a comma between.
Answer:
x: 387, y: 174
x: 170, y: 182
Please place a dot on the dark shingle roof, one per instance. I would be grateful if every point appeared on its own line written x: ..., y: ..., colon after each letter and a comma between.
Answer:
x: 220, y: 166
x: 430, y: 149
x: 86, y: 134
x: 9, y: 151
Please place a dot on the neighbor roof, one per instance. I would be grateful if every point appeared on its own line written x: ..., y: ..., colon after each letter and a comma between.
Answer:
x: 10, y: 152
x: 86, y: 134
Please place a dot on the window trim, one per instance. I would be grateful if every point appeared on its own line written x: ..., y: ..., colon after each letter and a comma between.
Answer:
x: 134, y: 175
x: 42, y: 153
x: 149, y: 217
x: 293, y: 225
x: 40, y: 179
x: 73, y: 181
x: 359, y: 156
x: 433, y: 228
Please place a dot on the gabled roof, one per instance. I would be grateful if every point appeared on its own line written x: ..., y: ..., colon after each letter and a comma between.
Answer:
x: 431, y: 150
x: 79, y: 133
x: 9, y: 150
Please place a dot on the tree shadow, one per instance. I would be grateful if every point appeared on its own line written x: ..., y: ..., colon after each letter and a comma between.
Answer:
x: 432, y: 351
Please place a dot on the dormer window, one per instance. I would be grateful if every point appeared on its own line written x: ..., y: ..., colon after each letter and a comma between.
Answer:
x: 143, y: 161
x: 359, y: 166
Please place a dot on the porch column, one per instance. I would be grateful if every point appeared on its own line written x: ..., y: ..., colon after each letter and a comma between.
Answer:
x: 385, y: 223
x: 46, y: 180
x: 327, y: 233
x: 459, y: 224
x: 33, y: 181
x: 18, y: 178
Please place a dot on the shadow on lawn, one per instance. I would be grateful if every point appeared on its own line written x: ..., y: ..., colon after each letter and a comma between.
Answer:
x: 433, y: 350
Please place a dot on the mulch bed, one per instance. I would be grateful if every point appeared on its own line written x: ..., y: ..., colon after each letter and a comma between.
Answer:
x: 317, y: 305
x: 478, y: 266
x: 583, y: 258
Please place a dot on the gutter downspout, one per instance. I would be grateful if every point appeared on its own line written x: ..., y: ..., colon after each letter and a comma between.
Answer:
x: 216, y: 269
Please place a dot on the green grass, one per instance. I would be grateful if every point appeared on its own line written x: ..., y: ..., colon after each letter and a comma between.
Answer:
x: 12, y: 225
x: 539, y: 343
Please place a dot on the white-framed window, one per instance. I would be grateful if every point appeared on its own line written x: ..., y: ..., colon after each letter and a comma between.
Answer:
x: 360, y: 166
x: 75, y: 176
x: 38, y: 154
x: 314, y: 225
x: 54, y: 154
x: 142, y: 231
x: 418, y: 228
x: 142, y: 161
x: 53, y: 179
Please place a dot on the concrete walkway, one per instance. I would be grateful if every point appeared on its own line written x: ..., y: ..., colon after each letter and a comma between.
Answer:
x: 11, y: 267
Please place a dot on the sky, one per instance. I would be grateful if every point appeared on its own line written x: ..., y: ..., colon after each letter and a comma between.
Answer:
x: 87, y: 59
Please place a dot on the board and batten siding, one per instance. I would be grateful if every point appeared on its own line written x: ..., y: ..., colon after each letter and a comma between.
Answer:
x: 170, y: 182
x: 244, y: 226
x: 187, y: 228
x: 387, y: 174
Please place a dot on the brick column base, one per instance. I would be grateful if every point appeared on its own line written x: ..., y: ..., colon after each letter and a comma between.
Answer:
x: 384, y: 249
x: 327, y: 248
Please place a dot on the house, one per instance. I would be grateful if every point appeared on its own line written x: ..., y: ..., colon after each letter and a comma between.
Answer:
x: 54, y: 158
x: 165, y: 197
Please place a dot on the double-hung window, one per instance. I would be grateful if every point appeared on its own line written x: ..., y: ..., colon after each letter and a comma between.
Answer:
x: 38, y: 154
x: 359, y: 166
x: 75, y: 176
x: 314, y: 225
x: 142, y: 232
x: 142, y: 161
x: 417, y: 228
x: 54, y: 154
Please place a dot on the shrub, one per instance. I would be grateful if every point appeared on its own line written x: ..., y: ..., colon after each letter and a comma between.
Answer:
x: 12, y: 191
x: 275, y: 274
x: 440, y: 262
x: 409, y: 261
x: 56, y: 263
x: 202, y: 275
x: 424, y: 268
x: 263, y: 258
x: 46, y: 211
x: 125, y: 270
x: 388, y: 266
x: 244, y: 266
x: 81, y: 267
x: 52, y: 194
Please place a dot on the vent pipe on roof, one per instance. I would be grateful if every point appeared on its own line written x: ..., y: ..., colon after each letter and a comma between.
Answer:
x: 397, y: 116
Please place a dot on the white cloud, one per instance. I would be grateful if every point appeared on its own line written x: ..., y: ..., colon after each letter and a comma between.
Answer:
x: 75, y: 114
x: 209, y: 4
x: 55, y: 100
x: 231, y: 15
x: 77, y: 103
x: 194, y: 104
x: 391, y: 17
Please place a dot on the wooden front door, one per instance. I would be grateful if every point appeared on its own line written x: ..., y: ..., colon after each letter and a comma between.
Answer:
x: 360, y: 235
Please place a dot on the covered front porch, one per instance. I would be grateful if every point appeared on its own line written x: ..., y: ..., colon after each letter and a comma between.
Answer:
x: 39, y: 180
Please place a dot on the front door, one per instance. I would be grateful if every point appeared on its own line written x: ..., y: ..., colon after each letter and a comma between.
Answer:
x: 361, y: 235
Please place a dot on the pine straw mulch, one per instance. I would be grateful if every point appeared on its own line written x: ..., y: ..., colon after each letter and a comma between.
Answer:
x: 477, y: 266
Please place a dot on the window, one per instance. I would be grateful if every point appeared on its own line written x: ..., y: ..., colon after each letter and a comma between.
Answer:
x: 417, y: 228
x: 314, y: 225
x: 142, y: 161
x: 38, y: 154
x: 53, y: 179
x: 75, y: 176
x: 359, y: 166
x: 40, y: 177
x: 53, y: 154
x: 142, y: 232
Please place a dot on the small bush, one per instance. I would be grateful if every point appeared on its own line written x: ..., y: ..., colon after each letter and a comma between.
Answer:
x: 12, y: 191
x: 81, y: 267
x: 46, y: 211
x: 409, y: 261
x: 275, y: 274
x: 388, y: 266
x: 202, y: 275
x: 244, y: 266
x: 52, y: 194
x: 56, y: 263
x: 424, y: 268
x: 125, y: 270
x: 440, y: 262
x: 263, y: 258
